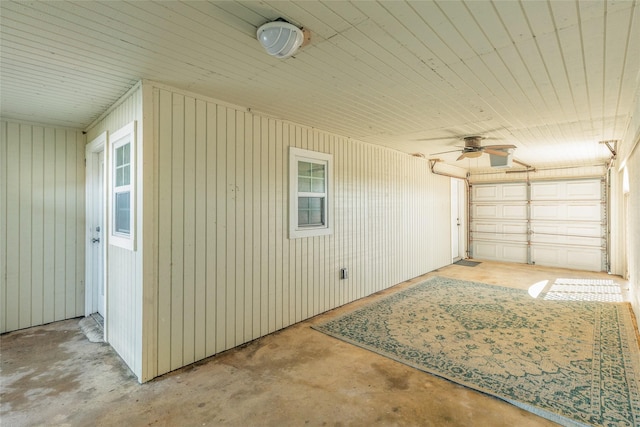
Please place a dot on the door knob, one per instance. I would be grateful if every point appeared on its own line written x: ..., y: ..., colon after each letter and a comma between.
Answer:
x: 95, y: 240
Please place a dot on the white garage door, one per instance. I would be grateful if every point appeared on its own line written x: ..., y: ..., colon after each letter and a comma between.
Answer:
x: 551, y: 223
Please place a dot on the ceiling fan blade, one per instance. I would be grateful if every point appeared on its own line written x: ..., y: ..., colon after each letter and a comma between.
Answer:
x: 462, y: 156
x: 500, y: 146
x: 496, y: 152
x: 444, y: 152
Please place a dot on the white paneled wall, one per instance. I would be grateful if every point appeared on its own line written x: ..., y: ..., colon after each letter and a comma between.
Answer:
x: 124, y: 267
x: 41, y: 225
x: 629, y: 203
x: 632, y: 199
x: 227, y: 272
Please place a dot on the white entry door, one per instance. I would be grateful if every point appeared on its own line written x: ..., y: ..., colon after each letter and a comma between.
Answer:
x: 95, y: 291
x: 457, y: 203
x: 97, y: 239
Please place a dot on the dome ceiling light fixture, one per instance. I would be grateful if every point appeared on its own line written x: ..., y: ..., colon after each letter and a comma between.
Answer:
x: 280, y: 38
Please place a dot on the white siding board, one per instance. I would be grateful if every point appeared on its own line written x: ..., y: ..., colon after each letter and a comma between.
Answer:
x: 230, y: 228
x: 177, y: 231
x: 221, y: 225
x: 60, y: 226
x: 211, y: 232
x: 4, y: 181
x: 283, y: 218
x: 80, y: 242
x: 246, y: 164
x: 164, y: 227
x: 25, y: 204
x: 189, y: 230
x: 269, y: 223
x: 71, y: 225
x: 12, y: 302
x: 200, y: 230
x: 49, y: 260
x: 37, y: 226
x: 279, y: 231
x: 257, y: 232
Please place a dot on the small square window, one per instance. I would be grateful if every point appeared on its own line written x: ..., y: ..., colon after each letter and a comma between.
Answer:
x: 310, y: 198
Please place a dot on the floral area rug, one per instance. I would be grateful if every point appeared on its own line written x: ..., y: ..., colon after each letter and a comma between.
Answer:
x: 575, y: 363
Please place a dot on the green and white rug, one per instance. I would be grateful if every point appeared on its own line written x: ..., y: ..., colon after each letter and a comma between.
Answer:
x: 575, y: 363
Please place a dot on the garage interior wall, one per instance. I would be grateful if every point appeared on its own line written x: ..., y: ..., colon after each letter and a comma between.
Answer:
x: 629, y: 157
x: 41, y: 225
x: 227, y: 271
x: 216, y: 176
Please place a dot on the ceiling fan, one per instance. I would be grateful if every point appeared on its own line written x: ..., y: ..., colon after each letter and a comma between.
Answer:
x: 473, y: 148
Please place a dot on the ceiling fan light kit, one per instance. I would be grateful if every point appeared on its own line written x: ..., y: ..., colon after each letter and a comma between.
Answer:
x: 470, y: 155
x: 502, y: 161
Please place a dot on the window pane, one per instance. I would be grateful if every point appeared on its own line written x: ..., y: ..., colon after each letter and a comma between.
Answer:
x: 318, y: 171
x: 119, y: 177
x: 311, y: 211
x: 123, y: 155
x: 315, y: 203
x: 303, y: 217
x: 315, y: 217
x: 126, y: 180
x: 304, y: 169
x: 304, y: 184
x: 126, y: 155
x: 317, y: 185
x: 119, y: 156
x: 122, y: 213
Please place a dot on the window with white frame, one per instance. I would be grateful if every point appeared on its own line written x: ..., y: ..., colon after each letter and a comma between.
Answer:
x: 122, y: 177
x: 310, y: 200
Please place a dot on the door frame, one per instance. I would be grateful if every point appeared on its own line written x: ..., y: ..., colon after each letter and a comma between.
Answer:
x: 93, y: 148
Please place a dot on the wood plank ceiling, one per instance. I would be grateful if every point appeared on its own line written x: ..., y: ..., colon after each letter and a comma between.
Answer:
x: 551, y: 77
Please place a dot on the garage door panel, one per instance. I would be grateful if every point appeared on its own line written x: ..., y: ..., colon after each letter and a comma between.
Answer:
x: 567, y: 234
x: 502, y: 237
x: 500, y: 210
x: 545, y: 191
x: 582, y: 258
x: 503, y: 231
x: 498, y: 251
x: 566, y: 190
x: 583, y: 190
x: 514, y: 192
x: 492, y: 192
x: 499, y: 227
x: 567, y: 212
x: 584, y: 212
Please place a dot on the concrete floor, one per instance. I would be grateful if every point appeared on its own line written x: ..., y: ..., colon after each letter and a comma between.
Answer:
x: 53, y: 375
